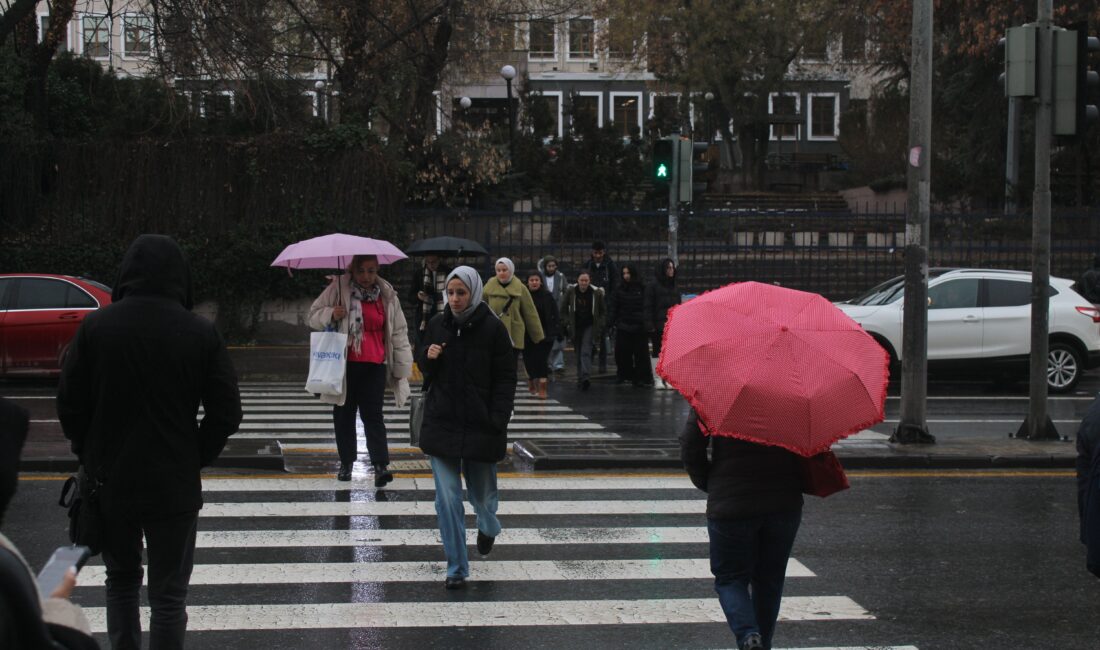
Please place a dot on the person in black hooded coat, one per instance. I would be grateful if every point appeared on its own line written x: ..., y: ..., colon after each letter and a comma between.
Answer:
x: 661, y: 295
x: 626, y: 315
x: 131, y: 385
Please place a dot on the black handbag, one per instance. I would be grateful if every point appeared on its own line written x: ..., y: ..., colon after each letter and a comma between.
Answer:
x: 80, y: 494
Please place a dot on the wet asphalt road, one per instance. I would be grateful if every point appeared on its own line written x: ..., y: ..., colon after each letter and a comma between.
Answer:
x: 940, y: 560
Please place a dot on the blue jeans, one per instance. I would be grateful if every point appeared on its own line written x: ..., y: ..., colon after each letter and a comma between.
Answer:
x: 754, y: 552
x: 481, y: 487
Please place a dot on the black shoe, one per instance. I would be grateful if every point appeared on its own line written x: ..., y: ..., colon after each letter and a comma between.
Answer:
x: 585, y: 384
x: 382, y: 476
x: 752, y: 642
x: 345, y: 472
x: 460, y: 583
x: 484, y: 543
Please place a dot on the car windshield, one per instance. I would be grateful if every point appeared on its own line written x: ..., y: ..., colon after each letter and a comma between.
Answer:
x: 883, y: 294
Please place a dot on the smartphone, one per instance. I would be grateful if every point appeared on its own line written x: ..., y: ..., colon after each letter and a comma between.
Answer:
x: 63, y: 559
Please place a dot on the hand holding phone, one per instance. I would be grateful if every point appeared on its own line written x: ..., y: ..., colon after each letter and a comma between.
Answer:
x: 63, y: 559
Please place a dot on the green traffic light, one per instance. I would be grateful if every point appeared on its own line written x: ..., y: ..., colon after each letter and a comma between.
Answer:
x: 662, y: 171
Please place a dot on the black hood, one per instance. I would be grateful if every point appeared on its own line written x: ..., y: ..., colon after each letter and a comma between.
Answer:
x: 13, y: 431
x: 154, y: 266
x: 660, y: 272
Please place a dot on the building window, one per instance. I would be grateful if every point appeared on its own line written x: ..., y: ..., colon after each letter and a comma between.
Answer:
x: 622, y: 38
x: 540, y: 42
x: 587, y: 111
x: 815, y: 45
x: 137, y: 35
x: 44, y: 26
x: 626, y: 113
x: 824, y: 116
x: 217, y: 105
x: 501, y: 36
x: 784, y: 109
x: 854, y: 41
x: 660, y: 49
x: 97, y: 36
x: 664, y: 114
x: 582, y: 38
x: 544, y: 111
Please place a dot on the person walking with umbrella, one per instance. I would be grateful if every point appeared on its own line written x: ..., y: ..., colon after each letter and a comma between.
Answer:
x: 510, y: 300
x: 365, y: 307
x: 470, y: 384
x: 426, y: 292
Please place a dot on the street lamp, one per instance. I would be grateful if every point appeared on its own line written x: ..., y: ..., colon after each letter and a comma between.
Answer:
x: 509, y: 73
x: 322, y: 110
x: 707, y: 118
x: 465, y: 102
x: 462, y: 119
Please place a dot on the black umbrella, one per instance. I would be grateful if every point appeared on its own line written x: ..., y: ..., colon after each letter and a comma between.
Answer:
x: 446, y: 246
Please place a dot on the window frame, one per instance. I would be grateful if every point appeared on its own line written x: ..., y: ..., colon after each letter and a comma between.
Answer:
x: 553, y: 39
x: 639, y: 95
x: 599, y: 105
x: 772, y: 137
x: 560, y: 95
x: 84, y: 42
x: 204, y: 94
x: 21, y: 281
x: 810, y: 97
x: 940, y: 285
x: 609, y: 39
x: 569, y: 56
x: 122, y: 36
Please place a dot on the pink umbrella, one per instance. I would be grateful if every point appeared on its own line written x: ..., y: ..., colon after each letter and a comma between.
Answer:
x: 335, y: 251
x: 774, y: 366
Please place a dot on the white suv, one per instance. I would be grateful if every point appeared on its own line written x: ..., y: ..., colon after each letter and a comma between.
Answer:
x: 982, y: 317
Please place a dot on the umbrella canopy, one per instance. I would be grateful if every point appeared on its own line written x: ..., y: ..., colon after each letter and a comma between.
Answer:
x: 335, y: 251
x: 446, y: 246
x: 774, y: 366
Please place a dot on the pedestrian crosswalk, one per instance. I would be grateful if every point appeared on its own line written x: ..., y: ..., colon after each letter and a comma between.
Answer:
x: 583, y: 560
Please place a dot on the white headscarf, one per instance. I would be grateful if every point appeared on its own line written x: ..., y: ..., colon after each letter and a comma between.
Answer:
x: 472, y: 280
x: 511, y: 267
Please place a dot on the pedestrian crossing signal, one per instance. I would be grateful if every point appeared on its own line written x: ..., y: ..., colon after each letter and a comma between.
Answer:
x: 662, y: 162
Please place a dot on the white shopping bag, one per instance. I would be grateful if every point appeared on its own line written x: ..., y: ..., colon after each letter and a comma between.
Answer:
x: 327, y: 361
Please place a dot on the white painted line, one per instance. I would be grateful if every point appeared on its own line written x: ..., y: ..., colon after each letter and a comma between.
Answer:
x: 548, y: 405
x: 430, y: 537
x: 427, y: 507
x: 399, y: 426
x: 486, y: 613
x: 412, y: 484
x: 351, y: 572
x: 326, y: 447
x: 1018, y: 420
x: 326, y: 414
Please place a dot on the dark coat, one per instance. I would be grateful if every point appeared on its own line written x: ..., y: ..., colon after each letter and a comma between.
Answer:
x: 1088, y: 485
x: 547, y: 309
x: 626, y: 312
x: 605, y: 276
x: 742, y: 479
x: 132, y: 383
x: 470, y: 387
x: 416, y: 285
x: 660, y: 295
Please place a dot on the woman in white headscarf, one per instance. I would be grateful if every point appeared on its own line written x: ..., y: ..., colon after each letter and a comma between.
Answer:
x: 470, y: 384
x: 510, y: 300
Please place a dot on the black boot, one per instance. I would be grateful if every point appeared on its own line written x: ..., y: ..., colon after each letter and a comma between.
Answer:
x: 345, y: 472
x: 382, y: 476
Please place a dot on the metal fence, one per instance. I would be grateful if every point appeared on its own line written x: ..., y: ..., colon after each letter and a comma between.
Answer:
x: 837, y: 254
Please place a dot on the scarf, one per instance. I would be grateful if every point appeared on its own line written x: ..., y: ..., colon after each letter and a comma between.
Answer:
x: 435, y: 283
x: 472, y: 280
x: 355, y: 325
x: 511, y: 269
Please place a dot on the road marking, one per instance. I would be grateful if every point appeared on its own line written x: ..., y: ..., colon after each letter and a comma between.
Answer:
x: 430, y: 537
x: 487, y: 614
x: 326, y: 415
x: 322, y: 426
x: 515, y: 482
x: 982, y: 421
x: 427, y: 507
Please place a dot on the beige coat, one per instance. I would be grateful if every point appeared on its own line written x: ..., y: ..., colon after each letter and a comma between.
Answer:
x: 396, y: 338
x: 55, y: 611
x: 522, y: 317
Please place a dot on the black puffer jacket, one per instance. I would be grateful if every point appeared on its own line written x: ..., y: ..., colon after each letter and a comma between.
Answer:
x: 547, y: 309
x: 660, y: 295
x: 471, y: 387
x: 626, y: 312
x: 132, y: 383
x: 742, y: 479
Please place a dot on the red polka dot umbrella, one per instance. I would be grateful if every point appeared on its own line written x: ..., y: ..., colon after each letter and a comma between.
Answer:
x: 774, y: 366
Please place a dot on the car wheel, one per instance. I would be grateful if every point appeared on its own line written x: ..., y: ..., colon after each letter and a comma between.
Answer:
x: 1064, y: 367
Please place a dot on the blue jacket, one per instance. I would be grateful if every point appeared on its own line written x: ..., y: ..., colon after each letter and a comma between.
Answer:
x: 1088, y: 485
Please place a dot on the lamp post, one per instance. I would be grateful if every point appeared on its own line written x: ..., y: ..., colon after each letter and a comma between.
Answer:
x: 708, y: 117
x: 322, y: 109
x: 509, y: 73
x: 465, y: 103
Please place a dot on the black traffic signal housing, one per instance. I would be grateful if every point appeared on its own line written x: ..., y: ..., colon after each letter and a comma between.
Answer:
x: 661, y: 169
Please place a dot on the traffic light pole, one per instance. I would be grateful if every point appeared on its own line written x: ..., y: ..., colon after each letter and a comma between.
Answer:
x: 913, y: 420
x: 1012, y: 156
x: 1038, y: 425
x: 674, y: 206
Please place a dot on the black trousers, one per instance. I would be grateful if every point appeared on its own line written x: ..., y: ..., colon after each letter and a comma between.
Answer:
x: 170, y: 543
x: 536, y: 358
x: 366, y: 388
x: 632, y: 357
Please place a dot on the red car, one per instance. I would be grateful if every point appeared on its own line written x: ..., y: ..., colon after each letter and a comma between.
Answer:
x: 39, y: 314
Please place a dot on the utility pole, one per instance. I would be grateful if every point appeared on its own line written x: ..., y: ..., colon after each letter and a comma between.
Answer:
x: 1038, y: 425
x: 1012, y: 156
x: 913, y: 422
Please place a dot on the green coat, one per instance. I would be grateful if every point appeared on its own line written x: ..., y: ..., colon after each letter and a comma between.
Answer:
x: 568, y: 308
x: 521, y: 318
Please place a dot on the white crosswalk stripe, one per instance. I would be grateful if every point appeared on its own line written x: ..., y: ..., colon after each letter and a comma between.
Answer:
x: 309, y: 540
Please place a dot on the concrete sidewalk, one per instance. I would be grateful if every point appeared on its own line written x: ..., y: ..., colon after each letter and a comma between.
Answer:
x: 47, y: 450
